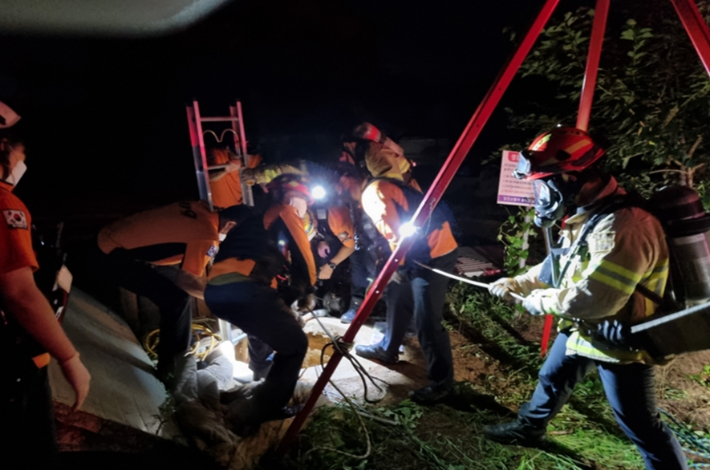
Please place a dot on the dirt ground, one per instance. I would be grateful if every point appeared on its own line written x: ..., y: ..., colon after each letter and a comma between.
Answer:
x: 685, y: 397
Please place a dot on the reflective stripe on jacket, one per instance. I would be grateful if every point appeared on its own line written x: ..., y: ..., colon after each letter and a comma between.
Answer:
x: 625, y: 248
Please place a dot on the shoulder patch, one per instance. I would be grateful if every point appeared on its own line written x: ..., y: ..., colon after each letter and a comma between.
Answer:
x: 15, y: 218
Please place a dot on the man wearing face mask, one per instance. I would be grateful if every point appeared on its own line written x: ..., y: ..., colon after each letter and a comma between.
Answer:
x: 27, y: 323
x: 161, y: 254
x: 610, y: 251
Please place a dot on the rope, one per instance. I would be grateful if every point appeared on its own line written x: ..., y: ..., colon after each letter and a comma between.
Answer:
x: 338, y: 346
x: 690, y: 442
x: 467, y: 281
x: 200, y: 332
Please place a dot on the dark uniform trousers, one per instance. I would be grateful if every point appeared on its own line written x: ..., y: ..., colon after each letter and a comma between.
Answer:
x: 630, y: 390
x: 147, y: 280
x: 362, y: 272
x: 27, y: 432
x: 423, y: 298
x: 260, y: 312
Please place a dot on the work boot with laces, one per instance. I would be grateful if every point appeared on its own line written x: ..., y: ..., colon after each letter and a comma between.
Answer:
x: 515, y: 432
x: 377, y: 353
x: 430, y: 395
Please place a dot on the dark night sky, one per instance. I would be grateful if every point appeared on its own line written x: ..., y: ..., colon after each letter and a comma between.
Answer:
x: 105, y: 120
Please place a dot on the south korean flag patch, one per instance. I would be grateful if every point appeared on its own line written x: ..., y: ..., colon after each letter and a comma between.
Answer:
x: 15, y: 218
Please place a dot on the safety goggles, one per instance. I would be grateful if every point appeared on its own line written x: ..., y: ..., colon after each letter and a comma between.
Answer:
x: 525, y: 165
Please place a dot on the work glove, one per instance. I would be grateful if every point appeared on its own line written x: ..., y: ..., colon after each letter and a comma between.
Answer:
x: 503, y: 287
x: 617, y: 334
x: 533, y: 302
x: 78, y: 377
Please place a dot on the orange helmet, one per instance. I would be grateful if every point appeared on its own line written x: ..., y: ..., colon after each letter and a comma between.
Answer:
x: 561, y: 150
x: 291, y: 182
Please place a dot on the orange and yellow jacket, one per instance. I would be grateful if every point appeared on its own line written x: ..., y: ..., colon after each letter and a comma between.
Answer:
x: 390, y: 204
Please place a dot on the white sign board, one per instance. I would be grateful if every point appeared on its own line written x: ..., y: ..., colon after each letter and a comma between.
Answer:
x: 511, y: 190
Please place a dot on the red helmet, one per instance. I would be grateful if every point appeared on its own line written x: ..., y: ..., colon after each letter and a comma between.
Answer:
x: 291, y: 182
x: 561, y: 150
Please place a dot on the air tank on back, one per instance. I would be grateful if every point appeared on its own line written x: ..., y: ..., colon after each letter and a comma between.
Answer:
x: 687, y: 227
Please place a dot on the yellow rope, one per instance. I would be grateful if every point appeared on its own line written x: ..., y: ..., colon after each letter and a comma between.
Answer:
x: 150, y: 343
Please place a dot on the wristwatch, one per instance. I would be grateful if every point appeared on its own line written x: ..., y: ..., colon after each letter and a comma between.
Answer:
x: 332, y: 265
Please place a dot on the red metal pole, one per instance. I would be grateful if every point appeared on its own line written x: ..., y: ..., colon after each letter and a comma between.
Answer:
x: 590, y: 73
x: 432, y: 197
x: 696, y: 27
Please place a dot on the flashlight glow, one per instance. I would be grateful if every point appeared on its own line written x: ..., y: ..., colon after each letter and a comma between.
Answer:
x: 407, y: 229
x: 318, y: 192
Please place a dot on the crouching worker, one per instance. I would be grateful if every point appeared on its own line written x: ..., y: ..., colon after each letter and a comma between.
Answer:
x: 161, y: 254
x: 613, y: 251
x: 244, y: 289
x: 285, y: 221
x: 391, y: 200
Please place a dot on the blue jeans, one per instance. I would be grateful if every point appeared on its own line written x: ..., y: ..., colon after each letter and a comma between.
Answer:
x: 260, y: 312
x: 423, y: 297
x: 631, y: 393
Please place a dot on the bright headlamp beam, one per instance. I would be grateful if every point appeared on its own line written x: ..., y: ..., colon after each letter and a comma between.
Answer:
x: 407, y: 229
x: 318, y: 192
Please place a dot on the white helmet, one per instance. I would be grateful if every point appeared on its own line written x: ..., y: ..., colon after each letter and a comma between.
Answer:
x: 8, y: 117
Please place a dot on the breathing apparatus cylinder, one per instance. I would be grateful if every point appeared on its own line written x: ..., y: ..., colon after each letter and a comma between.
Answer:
x: 687, y: 226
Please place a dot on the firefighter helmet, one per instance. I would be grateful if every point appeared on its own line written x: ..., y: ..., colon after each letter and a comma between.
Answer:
x: 561, y: 150
x: 287, y: 182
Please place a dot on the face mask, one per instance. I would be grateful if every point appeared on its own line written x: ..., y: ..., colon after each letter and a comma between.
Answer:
x: 16, y: 174
x: 300, y: 204
x: 549, y: 202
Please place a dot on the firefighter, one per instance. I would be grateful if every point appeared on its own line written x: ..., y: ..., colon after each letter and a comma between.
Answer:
x: 246, y: 287
x: 339, y: 226
x: 390, y: 201
x: 625, y: 247
x: 370, y: 246
x: 29, y: 331
x: 225, y: 184
x: 161, y: 254
x: 284, y: 220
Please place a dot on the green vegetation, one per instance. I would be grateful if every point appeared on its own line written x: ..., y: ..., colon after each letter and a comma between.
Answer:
x: 449, y: 436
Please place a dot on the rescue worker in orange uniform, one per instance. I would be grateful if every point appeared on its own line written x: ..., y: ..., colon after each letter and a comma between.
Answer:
x: 625, y: 248
x: 29, y: 330
x: 340, y: 227
x: 161, y: 254
x: 390, y: 200
x: 225, y: 184
x: 244, y: 289
x: 284, y: 220
x: 370, y: 247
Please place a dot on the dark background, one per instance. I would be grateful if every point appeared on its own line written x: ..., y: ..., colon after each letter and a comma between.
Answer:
x: 104, y: 118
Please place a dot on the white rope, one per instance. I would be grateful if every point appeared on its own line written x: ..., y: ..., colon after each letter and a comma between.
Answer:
x: 467, y: 281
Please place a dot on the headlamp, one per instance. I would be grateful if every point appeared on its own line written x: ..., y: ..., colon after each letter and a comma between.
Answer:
x: 407, y: 229
x: 318, y: 192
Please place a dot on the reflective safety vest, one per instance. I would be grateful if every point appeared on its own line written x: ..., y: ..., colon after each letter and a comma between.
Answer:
x: 625, y: 248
